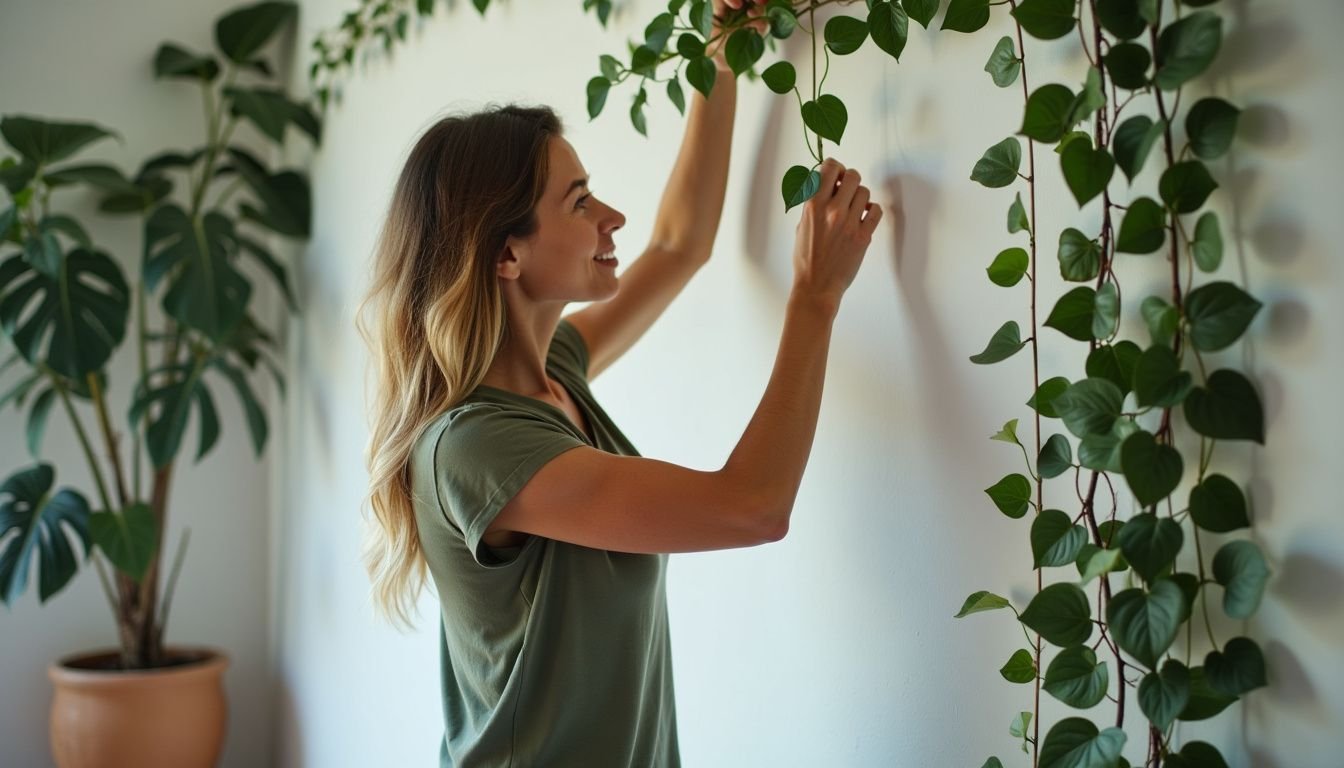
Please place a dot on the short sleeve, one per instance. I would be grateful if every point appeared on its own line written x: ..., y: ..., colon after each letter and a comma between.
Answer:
x: 569, y: 348
x: 483, y: 457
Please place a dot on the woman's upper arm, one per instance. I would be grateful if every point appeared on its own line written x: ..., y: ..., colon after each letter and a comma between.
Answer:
x: 631, y: 504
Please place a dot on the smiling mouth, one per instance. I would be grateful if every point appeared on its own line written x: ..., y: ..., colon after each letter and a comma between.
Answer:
x: 608, y: 258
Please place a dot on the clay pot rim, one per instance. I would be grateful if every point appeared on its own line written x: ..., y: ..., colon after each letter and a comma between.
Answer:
x: 212, y: 661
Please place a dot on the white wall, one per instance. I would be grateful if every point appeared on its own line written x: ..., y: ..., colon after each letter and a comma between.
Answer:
x: 92, y: 61
x: 836, y: 646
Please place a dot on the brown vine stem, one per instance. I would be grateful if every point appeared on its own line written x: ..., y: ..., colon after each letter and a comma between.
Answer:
x: 1035, y: 370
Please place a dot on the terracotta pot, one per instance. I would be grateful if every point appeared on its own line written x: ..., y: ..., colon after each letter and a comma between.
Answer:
x: 168, y: 717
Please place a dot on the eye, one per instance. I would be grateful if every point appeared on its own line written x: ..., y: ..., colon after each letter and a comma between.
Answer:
x: 582, y: 202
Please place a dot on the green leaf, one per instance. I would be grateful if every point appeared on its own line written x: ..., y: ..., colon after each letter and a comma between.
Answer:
x: 644, y: 61
x: 782, y: 20
x: 1115, y: 363
x: 243, y: 32
x: 701, y: 74
x: 206, y: 293
x: 1161, y: 318
x: 1151, y: 469
x: 1044, y: 398
x: 285, y: 197
x: 37, y: 421
x: 43, y: 253
x: 1005, y: 343
x: 1061, y: 614
x: 689, y: 46
x: 1056, y: 458
x: 1145, y: 624
x: 1055, y: 539
x: 1046, y: 19
x: 826, y: 117
x: 80, y: 311
x: 1094, y: 561
x: 1012, y: 495
x: 1159, y: 380
x: 1208, y: 244
x: 1106, y: 315
x: 1218, y: 505
x: 1127, y: 64
x: 256, y: 417
x: 998, y: 167
x: 1047, y: 113
x: 1151, y: 543
x: 1017, y: 216
x: 1163, y: 696
x: 922, y: 10
x: 1211, y: 124
x: 1186, y: 48
x: 1072, y: 314
x: 1089, y: 99
x: 889, y: 27
x: 780, y: 77
x: 43, y: 142
x: 1102, y: 451
x: 1205, y: 702
x: 702, y: 17
x: 1121, y: 18
x: 844, y: 34
x: 1144, y: 228
x: 1079, y: 256
x: 1090, y: 406
x: 41, y: 524
x: 1185, y: 186
x: 744, y: 48
x: 637, y: 111
x: 1075, y: 678
x: 1021, y: 722
x: 1195, y: 754
x: 658, y: 32
x: 1075, y: 743
x: 1219, y: 314
x: 1008, y: 267
x: 173, y: 61
x: 1020, y: 668
x: 268, y: 109
x: 966, y: 15
x: 1134, y: 140
x: 675, y: 94
x: 1242, y: 571
x: 1008, y: 434
x: 1004, y: 65
x: 800, y: 184
x: 981, y: 601
x: 129, y: 539
x: 1237, y: 669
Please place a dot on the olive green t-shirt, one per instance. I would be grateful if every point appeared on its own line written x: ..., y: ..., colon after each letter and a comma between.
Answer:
x: 552, y: 654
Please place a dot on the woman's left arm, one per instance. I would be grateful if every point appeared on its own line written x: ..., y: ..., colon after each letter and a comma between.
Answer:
x: 683, y: 232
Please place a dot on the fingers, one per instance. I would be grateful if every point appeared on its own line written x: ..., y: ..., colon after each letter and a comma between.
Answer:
x: 849, y: 184
x: 860, y: 202
x: 830, y: 172
x: 869, y: 223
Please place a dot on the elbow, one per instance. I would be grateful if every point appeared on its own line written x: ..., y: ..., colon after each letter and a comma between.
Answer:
x: 771, y: 523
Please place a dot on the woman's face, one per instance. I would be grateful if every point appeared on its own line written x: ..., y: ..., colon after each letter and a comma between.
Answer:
x: 558, y: 262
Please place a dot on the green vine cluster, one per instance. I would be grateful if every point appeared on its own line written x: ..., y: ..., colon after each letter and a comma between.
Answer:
x: 66, y: 307
x: 1120, y: 416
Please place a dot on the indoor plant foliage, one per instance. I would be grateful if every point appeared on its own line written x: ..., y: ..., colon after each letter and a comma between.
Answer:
x: 66, y: 307
x: 1122, y: 587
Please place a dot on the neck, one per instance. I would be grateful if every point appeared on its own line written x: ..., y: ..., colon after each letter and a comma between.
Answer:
x: 520, y: 364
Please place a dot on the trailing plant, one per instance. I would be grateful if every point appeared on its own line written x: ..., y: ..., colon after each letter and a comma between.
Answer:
x: 1121, y: 416
x: 65, y: 307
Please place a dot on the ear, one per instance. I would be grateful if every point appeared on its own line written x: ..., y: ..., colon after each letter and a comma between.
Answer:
x: 507, y: 266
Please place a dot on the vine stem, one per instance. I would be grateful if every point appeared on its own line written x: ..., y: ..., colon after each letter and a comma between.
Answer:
x: 1035, y: 372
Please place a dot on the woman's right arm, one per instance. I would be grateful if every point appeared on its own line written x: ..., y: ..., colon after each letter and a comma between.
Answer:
x: 633, y: 504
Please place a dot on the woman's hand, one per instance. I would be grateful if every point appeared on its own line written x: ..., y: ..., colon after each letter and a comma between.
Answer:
x: 755, y: 11
x: 833, y: 234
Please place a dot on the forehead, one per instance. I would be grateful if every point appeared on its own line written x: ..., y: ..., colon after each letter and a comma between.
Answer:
x: 564, y: 166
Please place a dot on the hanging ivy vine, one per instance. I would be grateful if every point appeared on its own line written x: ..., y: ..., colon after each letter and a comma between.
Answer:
x: 1113, y: 425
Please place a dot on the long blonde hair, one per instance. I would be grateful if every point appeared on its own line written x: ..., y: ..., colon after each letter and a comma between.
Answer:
x: 438, y: 317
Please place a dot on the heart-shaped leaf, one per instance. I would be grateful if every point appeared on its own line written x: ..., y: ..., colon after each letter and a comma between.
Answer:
x: 243, y: 32
x: 1164, y: 696
x: 1152, y: 470
x: 1004, y: 65
x: 1115, y: 363
x: 1047, y: 112
x: 1144, y: 624
x: 999, y: 165
x: 1159, y: 380
x: 845, y: 34
x: 1043, y: 400
x: 1076, y: 678
x: 1211, y: 124
x: 1187, y: 47
x: 1185, y: 186
x: 1011, y: 495
x: 1008, y: 267
x: 1061, y: 614
x: 1237, y: 669
x: 1074, y: 742
x: 1020, y: 667
x: 1134, y: 140
x: 1228, y: 408
x: 1002, y: 345
x: 43, y: 142
x: 1087, y: 171
x: 1127, y: 64
x: 1208, y: 243
x: 1079, y: 256
x: 1144, y: 228
x: 826, y: 117
x: 889, y: 27
x: 1046, y: 19
x: 799, y: 185
x: 966, y: 15
x: 1090, y: 406
x: 1218, y: 313
x: 1055, y: 539
x: 1242, y: 571
x: 1217, y: 505
x: 1151, y: 543
x: 1204, y: 702
x: 981, y: 601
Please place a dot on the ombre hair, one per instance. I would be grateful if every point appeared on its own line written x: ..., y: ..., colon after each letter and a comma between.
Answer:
x: 437, y: 316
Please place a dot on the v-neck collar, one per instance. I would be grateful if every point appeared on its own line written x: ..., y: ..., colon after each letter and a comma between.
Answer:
x: 578, y: 403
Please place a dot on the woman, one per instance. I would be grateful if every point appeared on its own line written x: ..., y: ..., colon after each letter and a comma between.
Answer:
x: 494, y: 468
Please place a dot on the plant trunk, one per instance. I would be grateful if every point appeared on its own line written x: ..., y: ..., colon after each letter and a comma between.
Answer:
x: 137, y: 602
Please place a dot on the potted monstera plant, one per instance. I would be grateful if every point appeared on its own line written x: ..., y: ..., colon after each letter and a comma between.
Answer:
x: 67, y: 307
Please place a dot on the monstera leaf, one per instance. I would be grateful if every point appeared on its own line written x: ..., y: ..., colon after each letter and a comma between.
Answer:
x: 41, y: 522
x: 78, y: 313
x: 206, y: 292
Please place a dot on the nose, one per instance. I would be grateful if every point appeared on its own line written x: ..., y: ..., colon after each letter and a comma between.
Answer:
x: 614, y: 219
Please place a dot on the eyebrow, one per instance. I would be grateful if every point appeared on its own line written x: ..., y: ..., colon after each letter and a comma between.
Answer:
x: 575, y: 184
